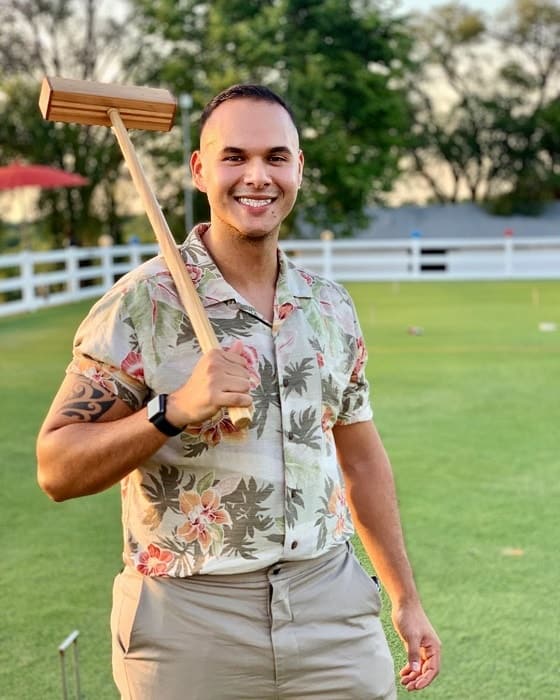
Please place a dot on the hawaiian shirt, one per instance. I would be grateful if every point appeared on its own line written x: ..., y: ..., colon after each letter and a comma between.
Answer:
x: 214, y: 499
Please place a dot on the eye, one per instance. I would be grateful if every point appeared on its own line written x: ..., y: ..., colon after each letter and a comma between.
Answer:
x: 278, y: 159
x: 232, y: 159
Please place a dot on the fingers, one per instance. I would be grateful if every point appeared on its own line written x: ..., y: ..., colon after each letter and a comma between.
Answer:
x: 233, y: 388
x: 226, y: 373
x: 422, y: 645
x: 423, y: 665
x: 231, y: 398
x: 228, y: 363
x: 413, y: 669
x: 233, y: 358
x: 417, y: 680
x: 220, y: 379
x: 236, y: 347
x: 234, y: 353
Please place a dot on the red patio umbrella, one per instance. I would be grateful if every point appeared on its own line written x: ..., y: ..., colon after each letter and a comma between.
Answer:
x: 18, y: 175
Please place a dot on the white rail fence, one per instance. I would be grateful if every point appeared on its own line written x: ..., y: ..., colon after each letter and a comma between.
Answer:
x: 30, y: 280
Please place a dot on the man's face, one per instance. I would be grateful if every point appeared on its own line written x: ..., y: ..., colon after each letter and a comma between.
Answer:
x: 249, y: 165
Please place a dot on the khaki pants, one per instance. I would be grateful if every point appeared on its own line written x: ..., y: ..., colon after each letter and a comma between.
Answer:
x: 293, y: 631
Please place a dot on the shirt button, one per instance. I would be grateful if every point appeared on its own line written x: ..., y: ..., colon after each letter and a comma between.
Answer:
x: 285, y: 381
x: 293, y: 545
x: 290, y: 435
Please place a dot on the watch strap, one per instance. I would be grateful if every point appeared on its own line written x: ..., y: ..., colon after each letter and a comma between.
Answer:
x: 156, y: 415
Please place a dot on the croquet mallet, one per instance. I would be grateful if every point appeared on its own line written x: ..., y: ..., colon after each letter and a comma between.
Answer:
x: 122, y: 107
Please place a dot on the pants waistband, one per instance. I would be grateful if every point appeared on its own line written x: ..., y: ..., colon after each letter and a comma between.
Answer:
x: 279, y: 570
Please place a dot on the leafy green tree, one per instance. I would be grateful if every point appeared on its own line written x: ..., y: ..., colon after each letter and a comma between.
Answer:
x: 339, y: 64
x: 486, y: 125
x: 529, y: 31
x: 548, y: 124
x: 70, y: 39
x: 451, y: 99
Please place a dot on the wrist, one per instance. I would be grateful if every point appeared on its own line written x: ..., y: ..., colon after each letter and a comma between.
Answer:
x: 158, y: 415
x: 401, y: 593
x: 404, y: 599
x: 174, y: 414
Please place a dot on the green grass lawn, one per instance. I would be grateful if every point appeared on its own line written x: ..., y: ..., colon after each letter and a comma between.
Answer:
x: 469, y: 414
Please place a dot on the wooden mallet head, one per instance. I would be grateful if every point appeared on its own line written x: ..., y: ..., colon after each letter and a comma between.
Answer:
x: 87, y: 102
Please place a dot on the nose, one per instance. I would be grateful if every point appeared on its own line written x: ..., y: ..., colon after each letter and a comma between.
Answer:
x: 256, y: 173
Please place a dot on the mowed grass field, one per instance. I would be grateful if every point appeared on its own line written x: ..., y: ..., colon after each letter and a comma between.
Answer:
x: 469, y: 415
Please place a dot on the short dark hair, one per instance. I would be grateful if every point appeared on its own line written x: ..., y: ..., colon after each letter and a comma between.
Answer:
x: 247, y: 90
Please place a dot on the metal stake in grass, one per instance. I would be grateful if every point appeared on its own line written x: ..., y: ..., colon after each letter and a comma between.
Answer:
x: 71, y: 640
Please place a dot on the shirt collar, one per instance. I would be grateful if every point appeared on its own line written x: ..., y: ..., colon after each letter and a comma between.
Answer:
x: 213, y: 288
x: 292, y: 282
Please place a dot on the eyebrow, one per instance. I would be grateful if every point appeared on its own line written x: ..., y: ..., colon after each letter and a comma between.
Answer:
x: 233, y: 150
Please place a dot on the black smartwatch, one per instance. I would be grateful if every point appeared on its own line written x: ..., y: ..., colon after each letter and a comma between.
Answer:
x: 156, y: 415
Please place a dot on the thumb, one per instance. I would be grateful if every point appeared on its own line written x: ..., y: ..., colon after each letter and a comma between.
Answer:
x: 414, y: 655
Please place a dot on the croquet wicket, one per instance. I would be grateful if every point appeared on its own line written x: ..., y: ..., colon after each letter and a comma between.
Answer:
x: 71, y: 640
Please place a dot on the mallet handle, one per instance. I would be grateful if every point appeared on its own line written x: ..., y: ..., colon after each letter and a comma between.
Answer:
x: 240, y: 416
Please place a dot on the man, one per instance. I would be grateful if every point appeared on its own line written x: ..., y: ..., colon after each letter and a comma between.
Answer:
x: 239, y: 580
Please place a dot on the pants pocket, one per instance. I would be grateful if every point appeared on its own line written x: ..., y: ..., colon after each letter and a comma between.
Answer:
x: 368, y: 585
x: 127, y: 591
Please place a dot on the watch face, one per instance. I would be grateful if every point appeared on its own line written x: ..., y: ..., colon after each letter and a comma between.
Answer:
x: 156, y: 406
x: 156, y: 415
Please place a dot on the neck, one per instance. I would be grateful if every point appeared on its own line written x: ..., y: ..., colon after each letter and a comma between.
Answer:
x: 247, y: 263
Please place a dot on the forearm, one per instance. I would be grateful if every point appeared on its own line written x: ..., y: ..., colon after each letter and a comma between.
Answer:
x: 79, y: 459
x: 376, y: 518
x: 91, y: 438
x: 371, y: 496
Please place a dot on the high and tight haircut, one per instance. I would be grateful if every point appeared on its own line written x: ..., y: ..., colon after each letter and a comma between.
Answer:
x: 248, y: 91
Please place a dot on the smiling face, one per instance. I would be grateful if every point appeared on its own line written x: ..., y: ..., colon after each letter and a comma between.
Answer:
x: 249, y: 165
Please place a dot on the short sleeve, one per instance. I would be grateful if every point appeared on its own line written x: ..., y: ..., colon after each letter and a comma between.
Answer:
x: 106, y: 350
x: 355, y: 404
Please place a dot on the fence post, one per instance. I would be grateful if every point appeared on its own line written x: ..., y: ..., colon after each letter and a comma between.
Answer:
x: 327, y: 237
x: 73, y: 285
x: 415, y: 253
x: 27, y: 281
x: 508, y: 252
x: 135, y: 258
x: 107, y: 265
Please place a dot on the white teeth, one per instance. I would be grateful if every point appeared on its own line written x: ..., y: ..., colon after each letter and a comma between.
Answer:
x: 255, y: 202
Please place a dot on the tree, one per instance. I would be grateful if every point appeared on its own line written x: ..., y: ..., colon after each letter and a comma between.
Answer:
x: 339, y: 65
x: 530, y: 33
x: 499, y: 75
x: 71, y: 39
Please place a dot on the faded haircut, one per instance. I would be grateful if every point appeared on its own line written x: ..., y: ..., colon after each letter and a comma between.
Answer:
x: 248, y: 91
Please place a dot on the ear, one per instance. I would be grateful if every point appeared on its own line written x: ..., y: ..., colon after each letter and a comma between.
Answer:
x: 300, y: 167
x: 196, y: 170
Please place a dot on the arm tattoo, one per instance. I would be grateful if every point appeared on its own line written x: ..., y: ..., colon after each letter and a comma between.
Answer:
x: 87, y: 404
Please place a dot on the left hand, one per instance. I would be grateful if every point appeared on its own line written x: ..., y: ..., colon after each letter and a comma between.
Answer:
x: 421, y: 643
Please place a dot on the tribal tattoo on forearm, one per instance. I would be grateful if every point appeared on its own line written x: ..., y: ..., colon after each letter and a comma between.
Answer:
x: 86, y: 403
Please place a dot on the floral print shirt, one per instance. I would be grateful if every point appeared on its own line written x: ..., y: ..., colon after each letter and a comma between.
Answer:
x: 214, y: 499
